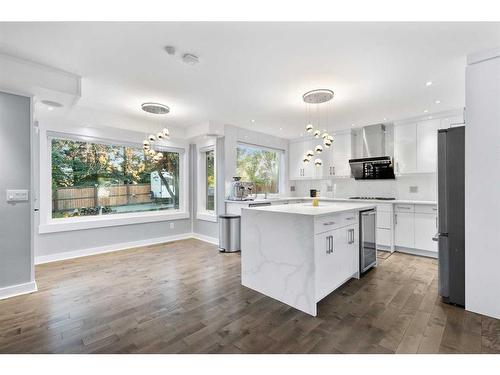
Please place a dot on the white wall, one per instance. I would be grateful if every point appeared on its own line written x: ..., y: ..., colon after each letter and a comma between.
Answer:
x: 348, y: 187
x: 482, y: 184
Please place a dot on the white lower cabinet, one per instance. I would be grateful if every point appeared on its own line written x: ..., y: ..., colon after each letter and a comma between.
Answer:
x: 404, y: 229
x: 425, y: 229
x: 414, y: 227
x: 337, y: 258
x: 384, y: 237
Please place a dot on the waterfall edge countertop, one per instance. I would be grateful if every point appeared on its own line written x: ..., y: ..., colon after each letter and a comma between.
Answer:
x: 324, y: 208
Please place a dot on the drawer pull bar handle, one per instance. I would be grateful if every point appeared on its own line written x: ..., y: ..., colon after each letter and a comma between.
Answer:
x: 329, y: 223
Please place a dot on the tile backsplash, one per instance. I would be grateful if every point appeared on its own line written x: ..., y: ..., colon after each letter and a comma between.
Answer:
x: 411, y: 187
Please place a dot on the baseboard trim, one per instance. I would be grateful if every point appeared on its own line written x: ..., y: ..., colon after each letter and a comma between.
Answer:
x: 202, y: 237
x: 42, y: 259
x: 17, y: 290
x: 422, y: 253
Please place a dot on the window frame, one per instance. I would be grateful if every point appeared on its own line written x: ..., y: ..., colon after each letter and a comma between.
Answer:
x: 282, y: 163
x: 50, y: 225
x: 201, y: 202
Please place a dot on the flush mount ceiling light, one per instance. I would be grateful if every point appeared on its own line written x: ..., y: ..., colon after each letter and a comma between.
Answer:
x: 170, y: 50
x: 155, y: 108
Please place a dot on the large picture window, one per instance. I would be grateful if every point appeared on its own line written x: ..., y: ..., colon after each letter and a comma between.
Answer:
x: 260, y: 166
x: 92, y: 178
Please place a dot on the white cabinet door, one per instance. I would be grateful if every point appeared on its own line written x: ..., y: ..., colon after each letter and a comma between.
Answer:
x: 404, y: 227
x: 405, y: 147
x: 425, y: 229
x: 451, y: 121
x: 325, y: 262
x: 384, y: 237
x: 295, y: 157
x: 427, y: 145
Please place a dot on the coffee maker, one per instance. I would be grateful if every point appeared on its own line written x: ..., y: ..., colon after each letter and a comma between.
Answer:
x: 242, y: 191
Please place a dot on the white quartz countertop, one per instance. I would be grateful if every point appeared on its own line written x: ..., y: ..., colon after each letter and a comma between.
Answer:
x: 324, y: 208
x: 325, y: 199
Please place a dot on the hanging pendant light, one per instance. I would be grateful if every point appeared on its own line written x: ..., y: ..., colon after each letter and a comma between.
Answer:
x: 156, y: 109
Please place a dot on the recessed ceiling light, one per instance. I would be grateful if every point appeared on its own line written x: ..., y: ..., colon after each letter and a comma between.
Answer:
x: 352, y: 124
x: 385, y: 118
x: 281, y: 128
x: 50, y: 108
x: 155, y: 108
x: 425, y: 111
x: 438, y: 101
x: 252, y: 120
x: 428, y: 83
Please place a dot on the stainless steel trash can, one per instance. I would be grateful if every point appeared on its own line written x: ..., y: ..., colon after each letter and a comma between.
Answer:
x: 229, y: 233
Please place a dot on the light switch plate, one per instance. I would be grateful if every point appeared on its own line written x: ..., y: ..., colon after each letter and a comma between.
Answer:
x: 172, y: 225
x: 413, y: 189
x: 17, y: 195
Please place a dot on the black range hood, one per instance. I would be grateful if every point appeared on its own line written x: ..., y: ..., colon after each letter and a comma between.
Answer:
x: 375, y: 168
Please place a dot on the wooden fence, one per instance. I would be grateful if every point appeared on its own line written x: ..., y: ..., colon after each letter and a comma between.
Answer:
x: 114, y: 195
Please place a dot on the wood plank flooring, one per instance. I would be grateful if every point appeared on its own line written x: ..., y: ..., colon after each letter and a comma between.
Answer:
x: 185, y: 297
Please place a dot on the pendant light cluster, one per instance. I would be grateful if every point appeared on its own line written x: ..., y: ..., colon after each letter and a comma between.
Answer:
x: 164, y: 134
x: 317, y: 97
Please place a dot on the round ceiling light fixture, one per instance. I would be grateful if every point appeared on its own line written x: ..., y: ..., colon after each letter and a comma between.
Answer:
x: 318, y: 96
x: 155, y: 108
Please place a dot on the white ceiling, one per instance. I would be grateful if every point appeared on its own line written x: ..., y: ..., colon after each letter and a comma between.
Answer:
x: 258, y: 71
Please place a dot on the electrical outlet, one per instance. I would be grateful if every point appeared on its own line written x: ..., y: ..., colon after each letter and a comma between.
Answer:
x: 172, y: 225
x: 329, y: 189
x: 292, y: 188
x: 413, y: 189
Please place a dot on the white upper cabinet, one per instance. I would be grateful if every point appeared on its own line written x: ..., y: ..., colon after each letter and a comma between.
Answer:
x: 415, y: 144
x: 427, y: 145
x: 297, y: 168
x: 405, y: 148
x: 336, y: 158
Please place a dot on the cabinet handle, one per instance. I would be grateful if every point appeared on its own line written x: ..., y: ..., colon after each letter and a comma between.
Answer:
x: 331, y: 244
x: 350, y: 236
x: 349, y: 218
x: 395, y: 218
x: 329, y: 223
x: 436, y: 222
x: 328, y: 244
x: 403, y: 208
x: 333, y: 170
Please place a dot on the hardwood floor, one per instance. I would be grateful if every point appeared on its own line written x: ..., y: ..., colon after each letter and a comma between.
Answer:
x: 185, y: 297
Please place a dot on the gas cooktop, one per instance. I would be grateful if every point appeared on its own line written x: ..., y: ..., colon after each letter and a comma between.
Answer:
x: 375, y: 198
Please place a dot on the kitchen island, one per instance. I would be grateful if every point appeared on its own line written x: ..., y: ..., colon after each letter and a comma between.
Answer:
x: 297, y: 253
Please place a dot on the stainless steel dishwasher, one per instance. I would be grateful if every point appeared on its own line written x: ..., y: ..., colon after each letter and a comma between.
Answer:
x: 367, y: 240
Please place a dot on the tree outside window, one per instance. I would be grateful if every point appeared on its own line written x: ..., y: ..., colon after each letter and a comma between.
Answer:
x: 260, y: 166
x: 210, y: 180
x: 97, y: 179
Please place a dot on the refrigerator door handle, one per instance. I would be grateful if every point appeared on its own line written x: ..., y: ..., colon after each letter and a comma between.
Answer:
x: 436, y: 237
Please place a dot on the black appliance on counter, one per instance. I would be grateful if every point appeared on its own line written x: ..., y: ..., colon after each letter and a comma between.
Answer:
x: 312, y: 193
x: 451, y: 214
x: 377, y: 168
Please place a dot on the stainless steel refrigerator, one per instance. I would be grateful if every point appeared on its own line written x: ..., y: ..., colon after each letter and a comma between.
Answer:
x: 451, y: 219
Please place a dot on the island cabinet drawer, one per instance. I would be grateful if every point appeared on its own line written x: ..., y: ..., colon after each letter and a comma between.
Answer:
x: 327, y: 223
x: 426, y: 209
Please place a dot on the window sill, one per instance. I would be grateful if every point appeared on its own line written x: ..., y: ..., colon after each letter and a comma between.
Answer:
x: 206, y: 216
x: 80, y: 223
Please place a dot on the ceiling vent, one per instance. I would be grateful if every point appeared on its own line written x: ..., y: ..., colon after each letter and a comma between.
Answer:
x: 190, y: 59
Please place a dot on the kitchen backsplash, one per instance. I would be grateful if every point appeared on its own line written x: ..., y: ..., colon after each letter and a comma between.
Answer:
x: 411, y: 187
